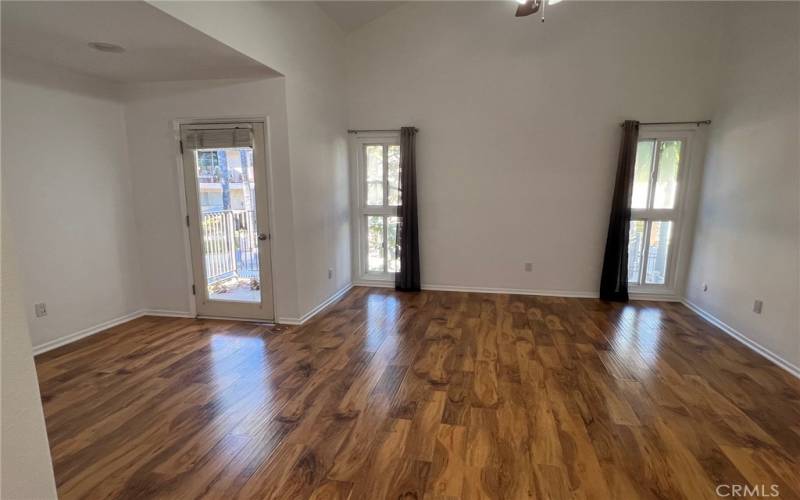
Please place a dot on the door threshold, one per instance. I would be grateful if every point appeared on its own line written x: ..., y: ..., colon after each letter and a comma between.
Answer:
x: 233, y: 318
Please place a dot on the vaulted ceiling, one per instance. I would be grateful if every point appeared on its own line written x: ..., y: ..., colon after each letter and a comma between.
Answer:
x: 352, y: 15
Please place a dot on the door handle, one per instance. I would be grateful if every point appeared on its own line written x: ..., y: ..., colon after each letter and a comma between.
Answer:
x: 263, y: 236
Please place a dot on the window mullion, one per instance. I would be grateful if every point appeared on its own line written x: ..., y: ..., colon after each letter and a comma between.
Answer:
x: 378, y: 211
x: 663, y: 215
x: 385, y: 245
x: 651, y: 195
x: 639, y: 254
x: 364, y: 244
x: 655, y: 213
x: 645, y: 252
x: 385, y: 175
x: 362, y: 173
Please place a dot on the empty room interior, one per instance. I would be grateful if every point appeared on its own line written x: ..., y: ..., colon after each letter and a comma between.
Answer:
x: 533, y: 249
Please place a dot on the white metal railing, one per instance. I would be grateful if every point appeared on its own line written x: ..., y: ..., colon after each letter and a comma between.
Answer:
x: 230, y: 244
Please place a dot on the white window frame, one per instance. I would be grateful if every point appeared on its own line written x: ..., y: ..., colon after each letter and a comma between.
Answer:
x: 676, y: 214
x: 360, y: 210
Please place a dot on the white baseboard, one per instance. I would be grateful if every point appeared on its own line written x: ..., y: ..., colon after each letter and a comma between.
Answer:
x: 105, y: 325
x: 659, y: 297
x: 511, y: 291
x: 753, y: 345
x: 86, y: 332
x: 479, y: 289
x: 167, y: 313
x: 662, y: 297
x: 310, y: 314
x: 374, y: 284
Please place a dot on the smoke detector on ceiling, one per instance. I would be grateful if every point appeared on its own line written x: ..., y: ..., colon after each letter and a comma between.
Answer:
x: 107, y: 47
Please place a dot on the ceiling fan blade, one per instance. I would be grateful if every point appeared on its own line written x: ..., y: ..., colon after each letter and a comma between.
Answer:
x: 528, y: 8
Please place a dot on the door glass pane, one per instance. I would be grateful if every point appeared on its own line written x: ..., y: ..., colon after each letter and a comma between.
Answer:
x: 658, y: 249
x: 374, y: 156
x: 642, y: 173
x: 669, y: 160
x: 635, y: 246
x: 394, y: 175
x: 375, y: 256
x: 393, y: 250
x: 226, y: 191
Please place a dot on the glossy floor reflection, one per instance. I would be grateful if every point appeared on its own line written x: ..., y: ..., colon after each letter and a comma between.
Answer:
x: 434, y: 395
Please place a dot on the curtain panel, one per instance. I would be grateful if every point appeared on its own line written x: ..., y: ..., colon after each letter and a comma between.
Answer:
x: 614, y: 279
x: 408, y: 279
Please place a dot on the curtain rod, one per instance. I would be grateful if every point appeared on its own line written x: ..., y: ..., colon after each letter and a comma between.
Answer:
x: 356, y: 131
x: 698, y: 123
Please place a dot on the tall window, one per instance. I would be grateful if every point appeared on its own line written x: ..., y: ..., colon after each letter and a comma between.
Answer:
x: 655, y: 210
x: 379, y: 196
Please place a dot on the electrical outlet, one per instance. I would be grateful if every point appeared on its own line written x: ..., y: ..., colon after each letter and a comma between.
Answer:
x: 40, y: 309
x: 528, y: 267
x: 330, y: 274
x: 757, y: 306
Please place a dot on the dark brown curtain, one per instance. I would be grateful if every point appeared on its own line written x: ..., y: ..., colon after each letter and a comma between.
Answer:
x: 614, y: 280
x: 407, y: 279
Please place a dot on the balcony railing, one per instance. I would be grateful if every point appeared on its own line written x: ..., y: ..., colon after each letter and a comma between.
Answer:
x: 230, y: 245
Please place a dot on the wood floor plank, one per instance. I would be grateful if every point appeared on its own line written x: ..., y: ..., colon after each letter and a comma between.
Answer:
x: 446, y: 477
x: 437, y: 395
x: 378, y: 470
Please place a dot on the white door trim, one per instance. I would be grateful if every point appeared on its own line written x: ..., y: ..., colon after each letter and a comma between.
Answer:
x: 184, y: 207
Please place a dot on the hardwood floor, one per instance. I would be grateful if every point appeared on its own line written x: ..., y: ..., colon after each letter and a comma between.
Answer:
x: 437, y: 395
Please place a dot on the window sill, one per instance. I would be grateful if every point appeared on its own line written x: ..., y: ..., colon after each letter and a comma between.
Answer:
x: 384, y: 281
x: 653, y: 293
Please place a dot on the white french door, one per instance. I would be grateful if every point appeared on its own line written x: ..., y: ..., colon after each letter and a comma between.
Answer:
x: 225, y: 177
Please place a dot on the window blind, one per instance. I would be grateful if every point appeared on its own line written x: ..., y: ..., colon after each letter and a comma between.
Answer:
x: 219, y: 138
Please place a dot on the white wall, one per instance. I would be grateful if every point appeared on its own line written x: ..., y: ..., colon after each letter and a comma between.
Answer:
x: 68, y: 188
x: 112, y: 164
x: 150, y: 112
x: 301, y: 42
x: 27, y: 470
x: 748, y: 238
x: 519, y: 123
